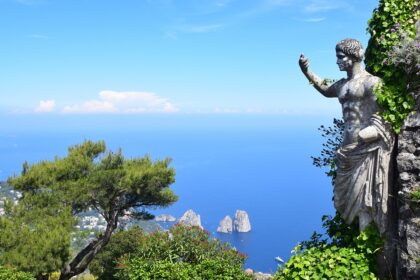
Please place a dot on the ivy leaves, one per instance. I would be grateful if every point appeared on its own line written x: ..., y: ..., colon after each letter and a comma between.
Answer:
x: 391, y: 22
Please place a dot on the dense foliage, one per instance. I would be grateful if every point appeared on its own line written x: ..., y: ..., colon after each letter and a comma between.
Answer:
x: 330, y: 262
x: 391, y: 22
x: 181, y: 253
x: 35, y: 233
x: 214, y: 269
x: 343, y: 254
x: 12, y: 274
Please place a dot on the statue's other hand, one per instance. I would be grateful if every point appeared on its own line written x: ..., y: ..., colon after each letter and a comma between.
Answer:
x: 368, y: 134
x: 303, y: 63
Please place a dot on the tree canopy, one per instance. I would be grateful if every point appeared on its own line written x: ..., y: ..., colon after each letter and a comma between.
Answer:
x: 53, y: 192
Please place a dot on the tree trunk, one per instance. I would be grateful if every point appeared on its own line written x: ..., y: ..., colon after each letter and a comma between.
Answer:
x: 82, y: 260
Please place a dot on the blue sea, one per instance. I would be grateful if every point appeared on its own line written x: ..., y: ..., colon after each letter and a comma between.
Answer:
x: 260, y: 164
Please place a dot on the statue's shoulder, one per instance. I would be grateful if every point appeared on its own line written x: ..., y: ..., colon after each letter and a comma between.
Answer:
x: 339, y: 83
x: 336, y: 87
x: 371, y: 80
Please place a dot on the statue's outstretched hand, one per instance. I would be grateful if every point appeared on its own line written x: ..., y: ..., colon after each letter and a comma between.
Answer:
x: 303, y: 63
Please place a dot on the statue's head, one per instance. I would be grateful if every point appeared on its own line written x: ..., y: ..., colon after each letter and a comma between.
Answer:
x: 348, y: 51
x: 352, y: 48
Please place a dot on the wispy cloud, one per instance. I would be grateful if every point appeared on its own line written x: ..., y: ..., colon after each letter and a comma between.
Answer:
x: 45, y: 106
x: 91, y: 106
x: 325, y: 5
x: 225, y: 10
x: 319, y: 19
x: 124, y: 102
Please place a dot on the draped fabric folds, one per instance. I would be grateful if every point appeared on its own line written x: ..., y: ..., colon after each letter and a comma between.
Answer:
x: 362, y: 181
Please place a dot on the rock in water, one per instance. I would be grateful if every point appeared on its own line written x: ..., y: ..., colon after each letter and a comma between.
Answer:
x: 165, y: 218
x: 241, y: 222
x: 225, y: 225
x: 190, y: 218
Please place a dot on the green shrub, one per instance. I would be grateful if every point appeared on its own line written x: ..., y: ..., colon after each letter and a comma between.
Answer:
x: 214, y: 269
x: 328, y: 262
x: 13, y: 274
x: 139, y: 269
x: 181, y: 253
x: 343, y: 253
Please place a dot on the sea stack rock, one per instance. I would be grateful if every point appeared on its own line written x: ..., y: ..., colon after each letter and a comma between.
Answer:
x: 190, y: 218
x: 241, y: 222
x: 165, y: 218
x: 225, y: 225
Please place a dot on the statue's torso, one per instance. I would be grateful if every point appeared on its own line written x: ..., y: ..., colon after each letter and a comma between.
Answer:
x: 358, y: 102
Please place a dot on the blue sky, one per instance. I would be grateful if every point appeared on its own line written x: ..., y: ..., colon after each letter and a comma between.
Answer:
x: 77, y: 57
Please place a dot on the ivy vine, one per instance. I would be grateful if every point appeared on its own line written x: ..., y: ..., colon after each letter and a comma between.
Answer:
x: 391, y: 23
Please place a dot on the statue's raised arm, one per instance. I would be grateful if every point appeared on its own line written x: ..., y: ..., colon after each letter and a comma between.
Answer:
x: 317, y: 82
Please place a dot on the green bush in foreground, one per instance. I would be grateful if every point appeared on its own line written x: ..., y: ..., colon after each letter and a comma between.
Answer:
x: 329, y: 262
x: 181, y: 253
x: 12, y: 274
x: 214, y: 269
x: 343, y: 254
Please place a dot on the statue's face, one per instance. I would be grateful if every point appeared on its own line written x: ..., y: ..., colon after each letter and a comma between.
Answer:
x: 344, y: 62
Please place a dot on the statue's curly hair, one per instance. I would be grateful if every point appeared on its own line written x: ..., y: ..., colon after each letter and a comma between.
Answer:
x: 351, y: 47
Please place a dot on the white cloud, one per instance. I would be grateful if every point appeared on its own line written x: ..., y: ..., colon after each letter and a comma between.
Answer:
x: 124, y: 102
x: 45, y: 106
x: 91, y: 106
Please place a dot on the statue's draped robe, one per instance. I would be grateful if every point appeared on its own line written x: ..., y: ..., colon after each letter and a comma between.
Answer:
x: 362, y: 181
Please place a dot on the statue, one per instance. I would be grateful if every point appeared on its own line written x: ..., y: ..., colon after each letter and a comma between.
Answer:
x: 362, y: 184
